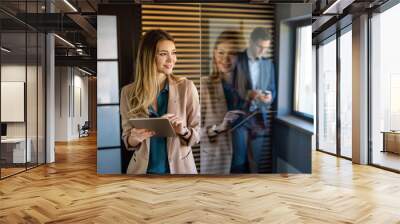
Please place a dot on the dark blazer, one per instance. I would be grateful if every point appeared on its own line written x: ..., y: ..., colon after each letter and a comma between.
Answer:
x: 242, y: 79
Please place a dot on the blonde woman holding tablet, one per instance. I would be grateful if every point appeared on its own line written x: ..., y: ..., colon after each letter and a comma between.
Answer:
x: 156, y: 92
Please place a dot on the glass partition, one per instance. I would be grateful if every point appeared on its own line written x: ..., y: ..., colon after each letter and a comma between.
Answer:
x: 22, y: 91
x: 13, y: 94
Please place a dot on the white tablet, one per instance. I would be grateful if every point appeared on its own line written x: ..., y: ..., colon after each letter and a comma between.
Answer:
x: 161, y: 126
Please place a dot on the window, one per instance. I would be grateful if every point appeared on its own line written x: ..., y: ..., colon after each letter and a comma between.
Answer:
x: 304, y: 92
x: 385, y: 88
x: 346, y: 94
x: 335, y: 108
x: 108, y: 133
x: 327, y: 96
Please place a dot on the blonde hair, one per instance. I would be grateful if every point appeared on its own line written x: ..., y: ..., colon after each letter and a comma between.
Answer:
x: 145, y: 87
x: 225, y: 36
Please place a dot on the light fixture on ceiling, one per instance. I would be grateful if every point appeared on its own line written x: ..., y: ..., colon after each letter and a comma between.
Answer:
x: 5, y: 50
x: 64, y: 40
x: 84, y: 71
x: 331, y: 7
x: 70, y: 5
x: 259, y: 1
x: 337, y: 7
x: 79, y: 51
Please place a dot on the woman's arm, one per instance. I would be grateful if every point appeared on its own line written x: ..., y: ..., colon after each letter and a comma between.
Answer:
x: 126, y: 127
x: 204, y: 130
x: 192, y: 116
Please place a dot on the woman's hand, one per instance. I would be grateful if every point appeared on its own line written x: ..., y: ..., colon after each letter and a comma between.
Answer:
x: 229, y: 118
x: 137, y: 136
x: 177, y: 124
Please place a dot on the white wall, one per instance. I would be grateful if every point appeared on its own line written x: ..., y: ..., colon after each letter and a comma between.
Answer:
x: 61, y: 103
x: 33, y: 126
x: 12, y: 73
x: 79, y: 117
x: 70, y: 83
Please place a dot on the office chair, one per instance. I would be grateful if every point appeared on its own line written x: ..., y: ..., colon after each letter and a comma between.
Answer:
x: 84, y: 130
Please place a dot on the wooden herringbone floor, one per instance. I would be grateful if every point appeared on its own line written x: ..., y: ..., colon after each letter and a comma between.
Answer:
x: 70, y: 191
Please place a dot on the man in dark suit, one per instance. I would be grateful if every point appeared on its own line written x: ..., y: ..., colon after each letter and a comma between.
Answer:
x: 255, y: 81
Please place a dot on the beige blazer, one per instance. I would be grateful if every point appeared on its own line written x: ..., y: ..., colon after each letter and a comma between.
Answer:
x: 215, y: 153
x: 183, y: 101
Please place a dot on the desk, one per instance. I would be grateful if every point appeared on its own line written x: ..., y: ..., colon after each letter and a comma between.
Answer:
x: 13, y: 150
x: 391, y: 141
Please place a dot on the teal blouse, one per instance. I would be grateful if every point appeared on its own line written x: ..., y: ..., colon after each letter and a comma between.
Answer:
x: 158, y: 158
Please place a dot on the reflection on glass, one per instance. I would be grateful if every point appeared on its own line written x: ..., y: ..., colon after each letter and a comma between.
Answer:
x: 346, y: 94
x: 385, y: 86
x: 327, y: 97
x: 218, y: 147
x: 236, y: 98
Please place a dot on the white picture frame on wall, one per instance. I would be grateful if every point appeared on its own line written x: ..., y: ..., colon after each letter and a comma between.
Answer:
x: 12, y: 101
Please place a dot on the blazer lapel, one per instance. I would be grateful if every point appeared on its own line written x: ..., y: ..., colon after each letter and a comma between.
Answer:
x: 148, y: 148
x: 246, y: 70
x: 173, y: 99
x: 263, y: 74
x: 241, y: 77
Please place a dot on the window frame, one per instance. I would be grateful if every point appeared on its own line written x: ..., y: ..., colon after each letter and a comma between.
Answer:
x: 341, y: 32
x: 334, y: 37
x: 378, y: 10
x: 302, y: 115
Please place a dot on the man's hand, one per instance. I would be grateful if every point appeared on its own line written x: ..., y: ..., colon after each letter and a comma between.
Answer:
x: 265, y: 97
x: 252, y: 94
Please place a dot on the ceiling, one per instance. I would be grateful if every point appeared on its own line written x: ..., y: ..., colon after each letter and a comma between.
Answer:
x: 75, y: 21
x: 76, y: 25
x: 332, y: 15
